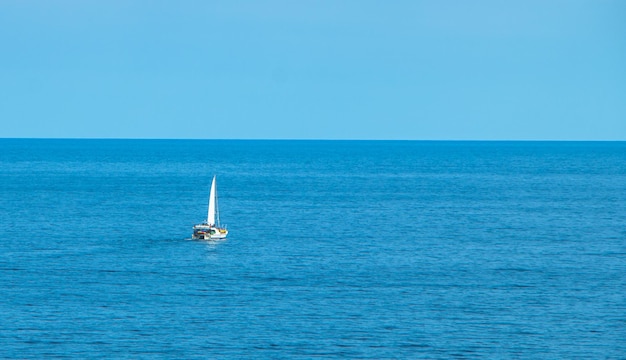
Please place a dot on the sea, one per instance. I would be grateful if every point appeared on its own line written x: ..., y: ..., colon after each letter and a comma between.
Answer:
x: 336, y: 249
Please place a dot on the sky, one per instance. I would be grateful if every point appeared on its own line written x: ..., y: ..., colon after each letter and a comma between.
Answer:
x: 336, y: 69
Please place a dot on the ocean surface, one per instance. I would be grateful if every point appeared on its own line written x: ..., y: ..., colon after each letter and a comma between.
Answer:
x: 337, y: 249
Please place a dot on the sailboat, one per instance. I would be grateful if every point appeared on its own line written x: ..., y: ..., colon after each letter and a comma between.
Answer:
x: 210, y: 229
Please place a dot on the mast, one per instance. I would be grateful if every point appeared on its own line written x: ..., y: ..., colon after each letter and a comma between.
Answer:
x: 217, y: 209
x: 211, y: 215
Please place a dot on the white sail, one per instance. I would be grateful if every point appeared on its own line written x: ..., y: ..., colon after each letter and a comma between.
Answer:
x: 211, y: 216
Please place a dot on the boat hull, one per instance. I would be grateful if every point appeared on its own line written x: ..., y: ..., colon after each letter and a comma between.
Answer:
x: 208, y: 232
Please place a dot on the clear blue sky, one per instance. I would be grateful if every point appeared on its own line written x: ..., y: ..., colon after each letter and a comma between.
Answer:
x: 348, y: 69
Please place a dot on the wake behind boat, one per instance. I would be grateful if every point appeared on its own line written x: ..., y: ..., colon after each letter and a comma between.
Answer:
x: 209, y: 229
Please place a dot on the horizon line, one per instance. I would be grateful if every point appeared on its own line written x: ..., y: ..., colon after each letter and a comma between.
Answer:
x: 311, y: 139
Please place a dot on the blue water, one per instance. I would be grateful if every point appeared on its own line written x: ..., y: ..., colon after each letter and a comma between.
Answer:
x: 337, y: 249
